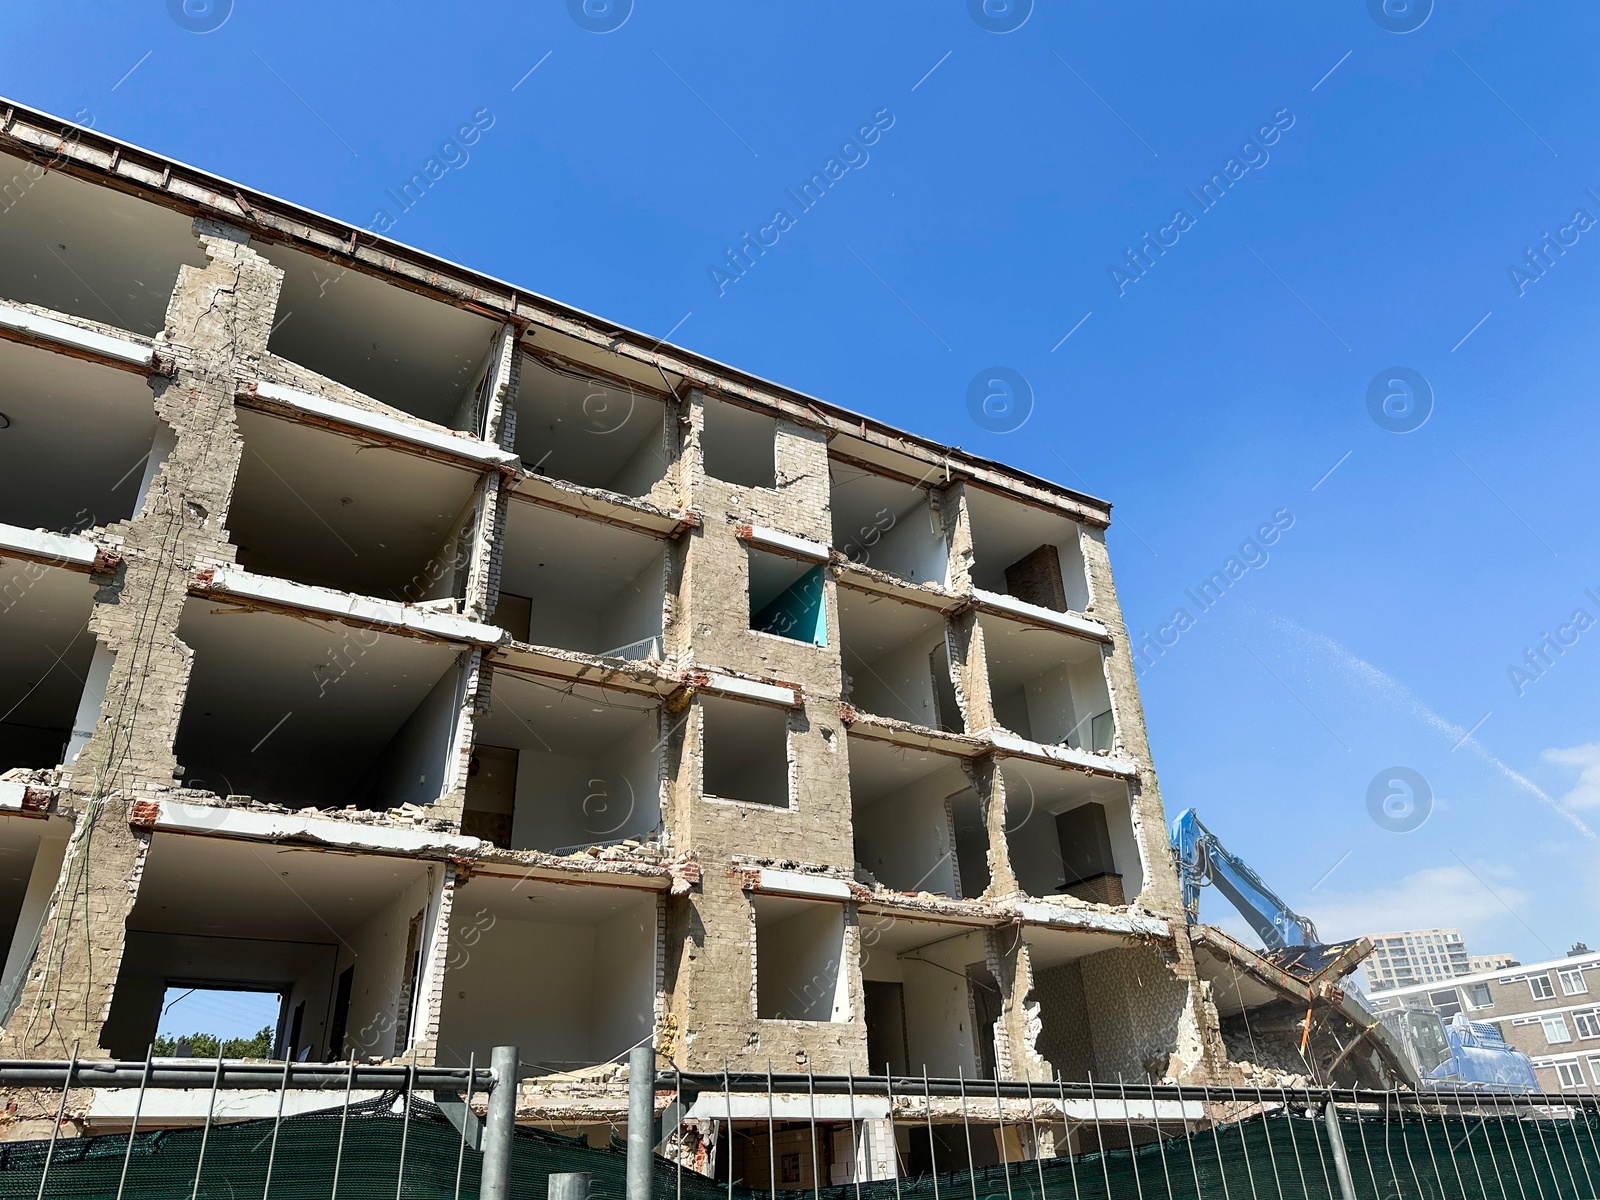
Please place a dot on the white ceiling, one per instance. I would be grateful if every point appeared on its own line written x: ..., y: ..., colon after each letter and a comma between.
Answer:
x: 862, y: 501
x: 92, y: 251
x: 412, y: 353
x: 1003, y: 530
x: 582, y: 429
x: 242, y: 889
x: 74, y: 453
x: 324, y: 509
x: 554, y: 903
x: 346, y: 692
x: 1051, y: 789
x: 45, y: 644
x: 877, y: 768
x: 570, y: 559
x: 539, y: 718
x: 871, y: 625
x: 1017, y: 652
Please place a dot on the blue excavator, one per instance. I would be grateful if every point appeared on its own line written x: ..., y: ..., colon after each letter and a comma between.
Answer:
x: 1423, y: 1049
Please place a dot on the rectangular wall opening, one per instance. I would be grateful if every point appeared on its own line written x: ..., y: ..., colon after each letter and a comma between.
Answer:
x: 740, y: 446
x: 566, y: 974
x: 230, y: 916
x: 1070, y: 833
x: 320, y: 508
x: 896, y: 661
x: 314, y: 713
x: 203, y: 1020
x: 90, y: 251
x: 937, y: 1013
x: 891, y: 526
x: 904, y: 807
x: 799, y: 951
x: 744, y: 752
x: 558, y: 768
x: 786, y: 598
x: 1026, y: 552
x: 76, y: 439
x: 578, y: 584
x: 1047, y: 686
x: 589, y: 430
x: 46, y: 652
x: 420, y: 356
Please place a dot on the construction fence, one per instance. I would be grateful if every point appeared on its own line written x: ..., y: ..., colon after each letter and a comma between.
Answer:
x: 1264, y: 1145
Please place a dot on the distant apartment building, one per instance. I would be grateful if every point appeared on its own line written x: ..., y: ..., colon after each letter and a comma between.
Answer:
x: 1477, y: 965
x: 1416, y: 956
x: 1549, y: 1010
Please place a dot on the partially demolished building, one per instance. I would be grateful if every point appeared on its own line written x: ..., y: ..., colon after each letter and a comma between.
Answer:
x: 467, y: 670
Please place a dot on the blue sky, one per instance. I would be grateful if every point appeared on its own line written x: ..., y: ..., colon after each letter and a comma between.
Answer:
x: 1229, y: 382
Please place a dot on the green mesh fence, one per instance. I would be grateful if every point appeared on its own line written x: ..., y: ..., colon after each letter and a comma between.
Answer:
x: 1278, y: 1157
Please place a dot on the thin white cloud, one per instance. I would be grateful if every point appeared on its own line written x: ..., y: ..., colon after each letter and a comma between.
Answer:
x: 1396, y: 693
x: 1585, y: 792
x: 1435, y: 897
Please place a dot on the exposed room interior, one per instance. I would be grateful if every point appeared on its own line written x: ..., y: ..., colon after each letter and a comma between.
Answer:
x: 896, y: 660
x: 90, y: 251
x: 787, y: 597
x: 321, y: 508
x: 421, y: 356
x: 739, y: 445
x: 580, y: 584
x: 1106, y: 1005
x: 1027, y: 552
x: 32, y: 850
x: 564, y: 972
x: 927, y: 989
x: 918, y: 824
x: 744, y: 751
x: 1070, y: 833
x: 589, y: 429
x: 799, y: 960
x: 561, y: 766
x: 54, y: 410
x: 310, y: 712
x: 1048, y: 686
x: 887, y: 524
x: 342, y: 936
x: 46, y: 655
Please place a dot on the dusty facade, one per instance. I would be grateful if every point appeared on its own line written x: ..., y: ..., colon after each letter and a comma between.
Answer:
x: 469, y: 671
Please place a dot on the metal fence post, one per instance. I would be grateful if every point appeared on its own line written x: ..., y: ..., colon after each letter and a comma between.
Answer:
x: 500, y: 1126
x: 1341, y: 1160
x: 569, y: 1185
x: 641, y: 1119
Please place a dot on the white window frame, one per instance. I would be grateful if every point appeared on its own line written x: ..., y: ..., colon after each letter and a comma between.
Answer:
x: 1534, y: 983
x: 1489, y: 1003
x: 1594, y: 1068
x: 1589, y: 1017
x: 1572, y: 1082
x: 1555, y: 1019
x: 1573, y: 983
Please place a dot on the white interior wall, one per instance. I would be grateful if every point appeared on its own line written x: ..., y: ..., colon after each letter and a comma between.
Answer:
x: 566, y: 991
x: 565, y: 801
x: 378, y: 951
x: 412, y: 768
x: 896, y: 684
x: 1005, y: 530
x: 799, y: 948
x: 34, y: 852
x: 624, y: 980
x: 911, y: 549
x: 630, y: 627
x: 903, y: 838
x: 1052, y: 716
x: 938, y: 1013
x: 646, y: 465
x: 1034, y: 795
x: 95, y: 682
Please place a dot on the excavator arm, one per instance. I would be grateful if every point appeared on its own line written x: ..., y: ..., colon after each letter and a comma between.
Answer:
x: 1202, y: 859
